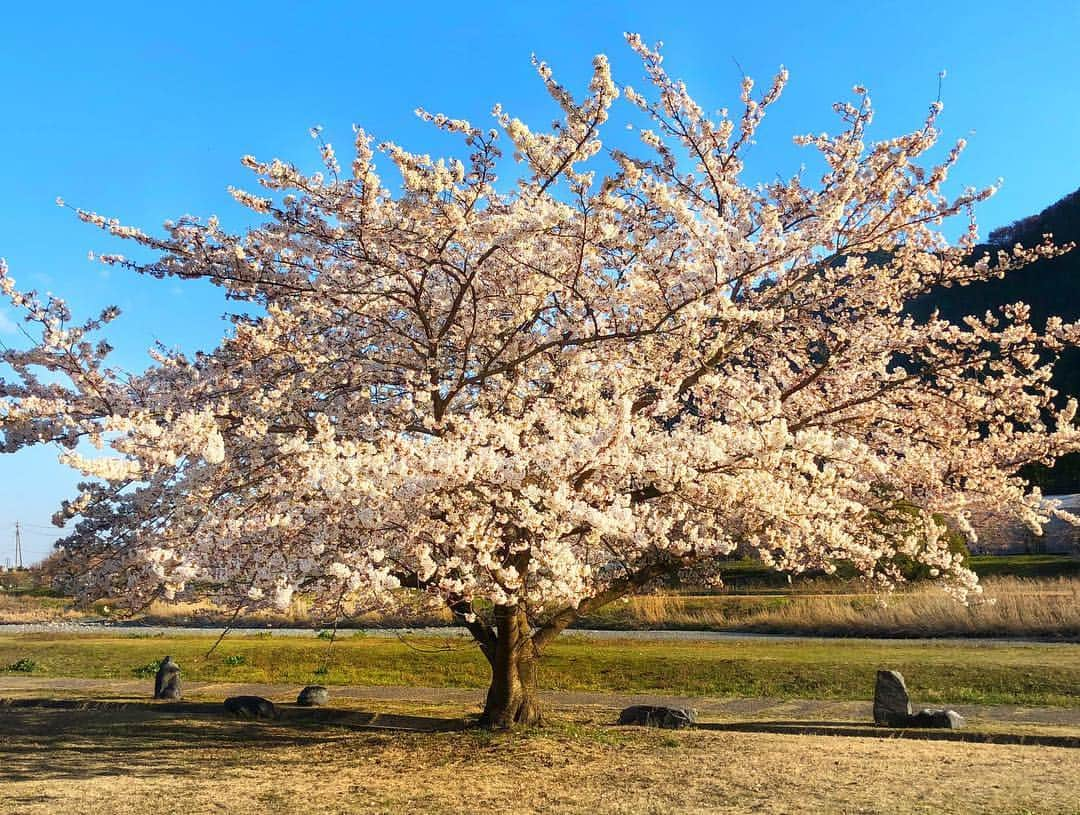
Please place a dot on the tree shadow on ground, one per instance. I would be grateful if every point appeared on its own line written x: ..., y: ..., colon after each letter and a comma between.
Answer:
x: 826, y: 728
x: 43, y: 739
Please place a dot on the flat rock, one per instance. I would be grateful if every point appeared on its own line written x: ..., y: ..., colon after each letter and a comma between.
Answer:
x: 930, y: 717
x: 892, y: 705
x: 669, y: 718
x: 251, y: 707
x: 313, y: 696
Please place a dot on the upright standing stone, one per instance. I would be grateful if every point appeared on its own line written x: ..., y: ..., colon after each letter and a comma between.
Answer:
x: 167, y: 680
x: 892, y: 707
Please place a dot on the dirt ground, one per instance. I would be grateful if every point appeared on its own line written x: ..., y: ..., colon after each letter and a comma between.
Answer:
x: 134, y: 758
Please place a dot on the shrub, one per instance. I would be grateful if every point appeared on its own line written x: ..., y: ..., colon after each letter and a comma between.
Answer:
x: 148, y: 670
x: 914, y: 570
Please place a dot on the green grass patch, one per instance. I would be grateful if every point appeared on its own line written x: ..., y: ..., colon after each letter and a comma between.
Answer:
x: 945, y: 673
x: 23, y: 665
x: 751, y: 575
x: 1025, y: 565
x: 146, y: 671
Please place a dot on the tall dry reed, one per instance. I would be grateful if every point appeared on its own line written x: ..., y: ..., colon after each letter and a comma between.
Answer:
x: 1010, y: 607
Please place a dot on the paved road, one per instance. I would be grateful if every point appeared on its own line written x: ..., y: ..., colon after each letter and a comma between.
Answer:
x: 454, y: 632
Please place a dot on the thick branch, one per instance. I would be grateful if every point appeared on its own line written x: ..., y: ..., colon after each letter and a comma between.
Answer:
x: 618, y: 588
x: 483, y: 633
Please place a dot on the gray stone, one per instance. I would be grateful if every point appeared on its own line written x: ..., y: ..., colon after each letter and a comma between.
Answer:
x: 930, y: 717
x: 956, y: 721
x: 251, y: 707
x: 892, y: 706
x: 669, y: 718
x: 167, y: 680
x: 313, y: 695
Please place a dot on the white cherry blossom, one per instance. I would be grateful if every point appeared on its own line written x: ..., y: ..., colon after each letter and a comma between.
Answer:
x: 525, y: 398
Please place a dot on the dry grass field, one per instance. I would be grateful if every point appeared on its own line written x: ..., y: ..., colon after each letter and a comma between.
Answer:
x: 133, y: 759
x: 1047, y: 607
x: 23, y: 608
x: 139, y: 760
x: 1012, y: 607
x: 130, y: 759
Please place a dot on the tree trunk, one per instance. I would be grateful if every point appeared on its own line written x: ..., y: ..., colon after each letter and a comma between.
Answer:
x: 512, y: 698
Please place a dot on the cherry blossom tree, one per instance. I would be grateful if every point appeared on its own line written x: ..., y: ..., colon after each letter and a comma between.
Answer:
x: 524, y: 398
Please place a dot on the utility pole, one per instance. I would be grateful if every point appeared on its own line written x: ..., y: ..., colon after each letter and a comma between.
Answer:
x: 18, y: 547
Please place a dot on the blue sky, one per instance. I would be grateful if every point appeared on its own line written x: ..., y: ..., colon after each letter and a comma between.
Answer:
x: 142, y: 111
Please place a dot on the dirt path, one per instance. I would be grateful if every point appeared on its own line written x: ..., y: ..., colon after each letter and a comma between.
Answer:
x: 707, y: 707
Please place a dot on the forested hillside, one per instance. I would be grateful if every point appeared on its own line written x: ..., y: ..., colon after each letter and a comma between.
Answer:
x: 1049, y: 286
